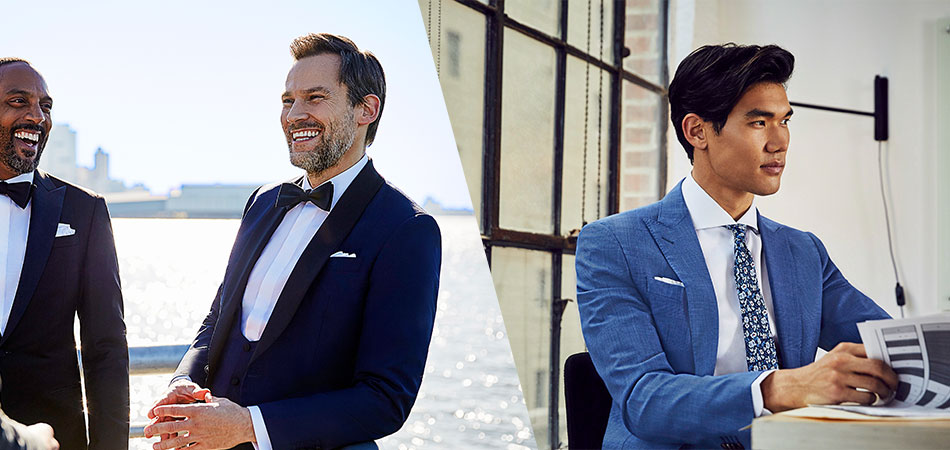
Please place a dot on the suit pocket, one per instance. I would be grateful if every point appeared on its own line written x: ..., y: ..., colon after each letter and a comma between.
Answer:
x: 657, y: 287
x: 65, y: 241
x: 339, y: 264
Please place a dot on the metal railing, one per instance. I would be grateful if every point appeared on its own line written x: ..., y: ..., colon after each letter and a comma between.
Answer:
x: 155, y: 360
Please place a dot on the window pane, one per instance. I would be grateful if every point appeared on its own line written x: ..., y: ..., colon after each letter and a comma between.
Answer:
x: 527, y: 135
x: 643, y: 38
x: 640, y: 147
x: 523, y: 284
x: 577, y: 25
x: 460, y: 60
x: 592, y: 90
x: 541, y: 14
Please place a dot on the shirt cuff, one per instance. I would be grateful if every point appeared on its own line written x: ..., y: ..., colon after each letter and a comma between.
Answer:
x: 180, y: 377
x: 260, y: 429
x: 758, y: 403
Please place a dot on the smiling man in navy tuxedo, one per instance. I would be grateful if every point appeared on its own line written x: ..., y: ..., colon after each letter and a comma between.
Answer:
x: 57, y: 259
x: 699, y: 313
x: 319, y: 333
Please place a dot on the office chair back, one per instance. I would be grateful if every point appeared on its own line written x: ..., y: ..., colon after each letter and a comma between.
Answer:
x: 588, y: 403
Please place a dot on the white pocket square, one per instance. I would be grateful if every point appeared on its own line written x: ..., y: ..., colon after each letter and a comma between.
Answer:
x: 343, y: 255
x: 64, y: 229
x: 669, y: 281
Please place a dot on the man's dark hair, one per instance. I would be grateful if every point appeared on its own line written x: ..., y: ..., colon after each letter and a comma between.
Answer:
x: 712, y: 79
x: 360, y: 71
x: 9, y: 60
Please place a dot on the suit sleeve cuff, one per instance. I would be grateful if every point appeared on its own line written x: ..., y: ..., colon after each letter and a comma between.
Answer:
x: 758, y: 403
x: 260, y: 429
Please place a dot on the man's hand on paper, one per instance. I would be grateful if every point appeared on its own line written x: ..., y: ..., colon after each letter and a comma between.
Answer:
x: 833, y: 379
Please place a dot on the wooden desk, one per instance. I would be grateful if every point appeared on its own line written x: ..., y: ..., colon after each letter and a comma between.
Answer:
x: 841, y: 430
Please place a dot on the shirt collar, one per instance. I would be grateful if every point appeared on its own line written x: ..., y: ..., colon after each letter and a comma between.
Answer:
x: 340, y: 181
x: 706, y: 213
x: 21, y: 178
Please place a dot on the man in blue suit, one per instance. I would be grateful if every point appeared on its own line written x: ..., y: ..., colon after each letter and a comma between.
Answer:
x: 319, y: 332
x: 699, y: 313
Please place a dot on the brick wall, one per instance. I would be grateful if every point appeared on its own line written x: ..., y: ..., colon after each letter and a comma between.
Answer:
x: 640, y: 140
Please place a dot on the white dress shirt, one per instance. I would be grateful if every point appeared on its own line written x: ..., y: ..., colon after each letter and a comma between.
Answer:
x: 277, y: 261
x: 718, y: 244
x: 14, y: 229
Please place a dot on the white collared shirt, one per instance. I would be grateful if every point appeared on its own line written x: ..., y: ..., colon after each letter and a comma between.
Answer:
x: 14, y: 231
x: 272, y: 269
x: 718, y: 244
x: 277, y: 261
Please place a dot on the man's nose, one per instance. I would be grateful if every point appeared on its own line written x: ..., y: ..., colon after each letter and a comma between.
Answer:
x: 296, y: 113
x: 35, y: 114
x: 778, y: 140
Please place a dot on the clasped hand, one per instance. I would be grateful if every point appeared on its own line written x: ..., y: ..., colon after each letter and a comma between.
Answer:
x: 182, y: 421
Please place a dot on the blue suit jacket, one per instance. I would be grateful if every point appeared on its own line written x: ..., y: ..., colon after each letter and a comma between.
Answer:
x: 654, y: 344
x: 342, y: 356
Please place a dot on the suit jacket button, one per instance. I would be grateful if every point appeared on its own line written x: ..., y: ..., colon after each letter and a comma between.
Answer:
x: 207, y: 369
x: 235, y: 381
x: 247, y: 346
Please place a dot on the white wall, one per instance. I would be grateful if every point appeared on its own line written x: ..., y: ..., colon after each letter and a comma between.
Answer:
x: 830, y: 186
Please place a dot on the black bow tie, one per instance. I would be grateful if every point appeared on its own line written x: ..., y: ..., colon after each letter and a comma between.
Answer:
x: 18, y: 192
x: 290, y: 195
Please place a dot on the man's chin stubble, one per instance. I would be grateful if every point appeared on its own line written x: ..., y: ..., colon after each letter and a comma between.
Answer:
x: 314, y: 162
x: 18, y: 164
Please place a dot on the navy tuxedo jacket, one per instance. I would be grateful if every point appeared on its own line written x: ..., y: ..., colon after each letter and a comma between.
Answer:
x: 63, y: 276
x: 342, y: 356
x: 654, y: 344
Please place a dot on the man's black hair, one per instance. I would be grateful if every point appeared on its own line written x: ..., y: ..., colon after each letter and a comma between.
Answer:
x: 9, y: 60
x: 711, y: 80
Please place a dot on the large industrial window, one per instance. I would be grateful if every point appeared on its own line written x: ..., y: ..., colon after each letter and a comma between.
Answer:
x: 560, y: 117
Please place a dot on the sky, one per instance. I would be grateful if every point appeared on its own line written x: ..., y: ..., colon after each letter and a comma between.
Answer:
x: 189, y: 91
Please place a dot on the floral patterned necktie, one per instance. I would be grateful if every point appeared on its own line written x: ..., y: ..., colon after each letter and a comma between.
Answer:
x: 760, y: 351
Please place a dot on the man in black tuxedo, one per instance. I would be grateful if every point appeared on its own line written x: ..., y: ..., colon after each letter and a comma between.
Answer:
x: 58, y: 260
x: 319, y: 332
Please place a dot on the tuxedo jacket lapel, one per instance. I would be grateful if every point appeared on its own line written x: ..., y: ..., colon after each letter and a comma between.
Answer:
x: 783, y: 278
x: 47, y: 205
x: 327, y: 240
x: 674, y: 233
x: 247, y: 250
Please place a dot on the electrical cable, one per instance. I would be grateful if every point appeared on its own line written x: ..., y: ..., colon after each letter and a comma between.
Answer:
x: 898, y: 289
x: 586, y: 123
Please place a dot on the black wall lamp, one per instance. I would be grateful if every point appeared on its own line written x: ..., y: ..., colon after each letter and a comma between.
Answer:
x: 880, y: 108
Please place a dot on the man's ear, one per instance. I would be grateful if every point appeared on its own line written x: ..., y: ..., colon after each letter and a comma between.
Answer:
x: 694, y: 131
x: 367, y: 110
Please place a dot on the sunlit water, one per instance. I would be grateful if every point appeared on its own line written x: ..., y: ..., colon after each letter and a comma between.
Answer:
x: 470, y: 396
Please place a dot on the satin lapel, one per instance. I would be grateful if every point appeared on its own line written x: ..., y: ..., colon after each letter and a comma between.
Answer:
x: 47, y: 205
x: 674, y: 233
x: 783, y: 276
x: 337, y: 226
x: 263, y: 218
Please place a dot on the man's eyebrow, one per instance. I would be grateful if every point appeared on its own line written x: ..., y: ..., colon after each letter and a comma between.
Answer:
x: 20, y: 92
x: 756, y: 112
x: 312, y: 90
